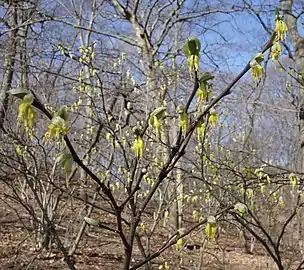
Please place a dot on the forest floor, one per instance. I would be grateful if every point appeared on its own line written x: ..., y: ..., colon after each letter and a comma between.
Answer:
x: 102, y: 250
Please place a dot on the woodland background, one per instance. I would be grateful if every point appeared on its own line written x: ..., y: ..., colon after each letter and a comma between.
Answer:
x: 85, y: 199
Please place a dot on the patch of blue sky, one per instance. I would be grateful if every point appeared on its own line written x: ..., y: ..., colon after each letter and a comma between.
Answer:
x: 237, y: 39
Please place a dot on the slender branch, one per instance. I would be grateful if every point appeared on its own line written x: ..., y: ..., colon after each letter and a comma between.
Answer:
x: 174, y: 238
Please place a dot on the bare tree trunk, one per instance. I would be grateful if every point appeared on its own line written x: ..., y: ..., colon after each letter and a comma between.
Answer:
x: 298, y: 44
x: 25, y: 15
x: 9, y: 62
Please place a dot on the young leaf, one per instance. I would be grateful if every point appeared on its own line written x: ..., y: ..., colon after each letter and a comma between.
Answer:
x: 206, y: 76
x: 29, y: 99
x: 183, y: 118
x: 92, y: 222
x: 241, y: 208
x: 259, y: 58
x: 18, y: 92
x: 194, y: 45
x: 61, y: 112
x: 159, y: 112
x: 196, y: 216
x: 186, y: 50
x: 155, y: 118
x: 65, y: 161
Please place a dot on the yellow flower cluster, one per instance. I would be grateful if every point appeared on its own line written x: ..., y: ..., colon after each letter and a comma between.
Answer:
x: 26, y: 113
x: 210, y: 229
x: 183, y: 122
x: 256, y: 72
x: 280, y: 29
x: 213, y: 118
x: 204, y: 91
x: 57, y: 128
x: 138, y: 147
x: 156, y: 117
x: 200, y: 130
x: 276, y: 50
x: 256, y: 68
x: 183, y: 119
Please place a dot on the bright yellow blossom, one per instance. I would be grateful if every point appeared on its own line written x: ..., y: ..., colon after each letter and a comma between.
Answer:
x: 57, y: 128
x: 280, y: 28
x: 200, y: 130
x: 256, y: 68
x: 179, y: 244
x: 138, y: 147
x: 213, y: 118
x: 26, y: 113
x: 276, y: 50
x: 183, y: 118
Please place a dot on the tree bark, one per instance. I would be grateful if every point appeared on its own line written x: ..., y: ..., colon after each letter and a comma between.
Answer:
x: 9, y: 61
x: 298, y: 44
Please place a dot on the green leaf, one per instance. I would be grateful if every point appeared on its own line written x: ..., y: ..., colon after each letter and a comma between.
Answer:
x: 196, y: 216
x: 138, y: 147
x: 277, y: 12
x: 65, y: 161
x: 210, y: 229
x: 92, y: 222
x: 241, y: 208
x: 192, y: 47
x: 159, y: 112
x: 61, y: 112
x: 183, y: 122
x: 186, y: 50
x: 259, y: 58
x: 28, y: 99
x: 206, y: 76
x: 19, y: 92
x: 68, y: 165
x: 157, y: 115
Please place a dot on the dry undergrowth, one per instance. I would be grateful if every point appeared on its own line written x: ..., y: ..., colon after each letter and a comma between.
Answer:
x: 102, y: 250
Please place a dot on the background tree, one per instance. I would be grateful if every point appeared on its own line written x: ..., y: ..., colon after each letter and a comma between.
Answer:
x: 146, y: 143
